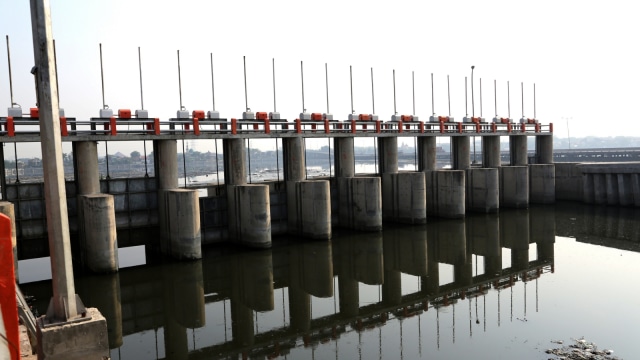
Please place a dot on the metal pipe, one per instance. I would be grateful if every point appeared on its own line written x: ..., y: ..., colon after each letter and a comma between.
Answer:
x: 373, y: 98
x: 351, y: 86
x: 246, y: 100
x: 180, y: 81
x: 213, y: 89
x: 273, y: 72
x: 10, y: 75
x: 302, y: 83
x: 140, y: 71
x: 433, y: 111
x: 395, y: 112
x: 104, y: 105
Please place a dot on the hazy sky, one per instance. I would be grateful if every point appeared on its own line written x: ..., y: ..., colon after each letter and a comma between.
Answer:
x: 582, y: 56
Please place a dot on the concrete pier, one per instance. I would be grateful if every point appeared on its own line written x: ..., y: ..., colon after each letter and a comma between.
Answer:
x: 491, y: 152
x: 403, y: 194
x: 446, y: 193
x: 514, y: 186
x: 249, y: 215
x: 96, y: 223
x: 483, y: 192
x: 8, y: 209
x: 183, y: 223
x: 360, y: 198
x: 460, y: 153
x: 427, y: 159
x: 308, y: 201
x: 518, y: 150
x: 99, y: 245
x: 542, y: 183
x: 544, y: 149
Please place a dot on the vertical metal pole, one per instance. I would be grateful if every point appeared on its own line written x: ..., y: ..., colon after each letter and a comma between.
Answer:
x: 508, y: 101
x: 15, y: 157
x: 10, y: 76
x: 104, y: 106
x: 522, y: 97
x: 473, y: 102
x: 273, y: 71
x: 466, y: 102
x: 395, y: 112
x: 413, y: 90
x: 180, y: 82
x: 534, y: 100
x: 55, y: 60
x: 246, y: 100
x: 63, y: 301
x: 433, y: 111
x: 351, y: 87
x: 140, y: 71
x: 373, y: 97
x: 481, y: 97
x: 213, y: 89
x: 495, y: 97
x: 302, y: 79
x: 326, y: 83
x: 449, y: 95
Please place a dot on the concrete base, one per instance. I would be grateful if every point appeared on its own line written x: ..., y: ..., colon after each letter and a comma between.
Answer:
x: 514, y: 186
x: 182, y: 219
x: 482, y: 190
x: 360, y: 203
x: 74, y: 340
x: 404, y: 198
x: 542, y: 184
x: 445, y: 193
x: 309, y: 209
x: 568, y: 181
x: 8, y: 209
x: 98, y: 233
x: 249, y: 215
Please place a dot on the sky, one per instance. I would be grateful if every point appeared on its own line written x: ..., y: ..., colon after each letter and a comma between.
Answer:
x: 581, y: 56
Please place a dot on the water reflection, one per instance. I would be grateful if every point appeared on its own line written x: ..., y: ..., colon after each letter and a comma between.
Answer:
x: 299, y: 298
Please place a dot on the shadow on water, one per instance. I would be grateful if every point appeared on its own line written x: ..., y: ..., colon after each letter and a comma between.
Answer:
x: 338, y: 298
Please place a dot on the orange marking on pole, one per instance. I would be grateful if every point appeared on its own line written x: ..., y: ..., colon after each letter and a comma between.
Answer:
x: 421, y: 127
x: 196, y: 126
x: 8, y: 288
x: 112, y: 125
x: 494, y: 127
x: 63, y: 126
x: 523, y: 128
x: 156, y: 126
x: 509, y: 127
x: 550, y: 127
x: 378, y: 126
x: 298, y: 126
x: 124, y: 113
x: 34, y: 113
x: 327, y: 130
x: 234, y: 126
x: 400, y: 126
x: 11, y: 127
x: 441, y: 127
x: 353, y: 126
x: 267, y: 126
x: 460, y: 128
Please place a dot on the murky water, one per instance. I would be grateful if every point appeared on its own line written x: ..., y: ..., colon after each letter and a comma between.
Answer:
x: 489, y: 287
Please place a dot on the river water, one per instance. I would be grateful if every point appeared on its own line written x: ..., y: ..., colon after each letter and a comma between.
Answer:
x: 488, y: 287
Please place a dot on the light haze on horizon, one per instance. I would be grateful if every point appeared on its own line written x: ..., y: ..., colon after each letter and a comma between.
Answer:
x: 581, y: 56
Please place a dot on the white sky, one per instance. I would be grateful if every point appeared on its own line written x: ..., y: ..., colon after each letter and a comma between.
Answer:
x: 582, y: 56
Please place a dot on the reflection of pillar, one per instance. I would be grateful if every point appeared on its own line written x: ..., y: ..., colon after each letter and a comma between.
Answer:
x: 543, y: 231
x: 103, y: 292
x: 514, y: 234
x: 409, y: 250
x: 349, y: 297
x: 392, y: 287
x: 299, y: 300
x: 253, y: 278
x: 450, y: 241
x: 316, y: 265
x: 431, y: 282
x: 187, y: 283
x: 367, y: 259
x: 241, y: 324
x: 461, y: 156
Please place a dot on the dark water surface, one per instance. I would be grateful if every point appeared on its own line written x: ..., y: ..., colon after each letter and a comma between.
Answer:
x: 487, y: 287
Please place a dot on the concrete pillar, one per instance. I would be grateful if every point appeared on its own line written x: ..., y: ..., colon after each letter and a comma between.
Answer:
x: 427, y: 155
x: 482, y: 193
x: 491, y: 152
x: 100, y: 244
x: 446, y: 193
x: 365, y: 195
x: 635, y: 187
x: 388, y: 155
x: 249, y: 215
x: 625, y: 190
x: 544, y: 149
x: 309, y: 209
x: 404, y: 198
x: 166, y: 157
x: 182, y: 221
x: 85, y: 154
x: 293, y: 158
x: 235, y: 161
x: 344, y: 160
x: 514, y: 186
x: 542, y: 184
x: 7, y: 209
x: 461, y: 156
x: 569, y: 181
x: 518, y: 150
x: 612, y: 189
x: 599, y: 189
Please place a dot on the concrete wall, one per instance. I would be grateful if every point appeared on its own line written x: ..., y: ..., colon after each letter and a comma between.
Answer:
x: 482, y: 193
x: 568, y: 181
x: 446, y: 193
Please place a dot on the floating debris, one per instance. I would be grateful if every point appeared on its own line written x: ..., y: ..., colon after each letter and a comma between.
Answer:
x: 581, y: 350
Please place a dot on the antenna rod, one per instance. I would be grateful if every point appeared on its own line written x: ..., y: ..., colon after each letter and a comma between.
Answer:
x: 351, y: 85
x: 508, y: 101
x: 522, y: 96
x: 273, y: 72
x: 495, y: 97
x: 213, y: 89
x: 246, y: 101
x: 473, y: 101
x: 480, y: 97
x: 534, y: 100
x: 466, y: 111
x: 395, y: 112
x: 180, y: 82
x: 302, y: 78
x: 433, y: 111
x: 449, y: 95
x: 373, y: 98
x: 413, y: 89
x: 104, y: 106
x: 140, y: 71
x: 326, y: 83
x: 10, y: 77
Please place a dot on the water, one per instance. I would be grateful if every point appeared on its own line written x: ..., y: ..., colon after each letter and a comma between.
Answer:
x: 491, y: 286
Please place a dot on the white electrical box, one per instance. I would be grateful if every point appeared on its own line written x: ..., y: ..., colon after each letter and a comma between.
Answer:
x: 433, y: 118
x: 414, y: 118
x: 213, y: 114
x: 182, y: 114
x: 274, y: 116
x: 14, y: 112
x: 353, y: 117
x: 396, y: 117
x: 523, y: 120
x: 328, y: 116
x: 142, y: 114
x: 305, y: 116
x: 374, y: 117
x: 466, y: 119
x: 248, y: 115
x: 106, y: 113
